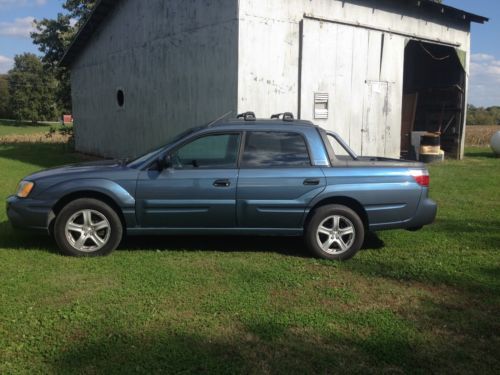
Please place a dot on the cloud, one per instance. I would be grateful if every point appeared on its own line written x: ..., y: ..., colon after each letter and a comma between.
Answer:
x: 5, y: 64
x: 484, y: 80
x: 20, y: 27
x: 481, y: 57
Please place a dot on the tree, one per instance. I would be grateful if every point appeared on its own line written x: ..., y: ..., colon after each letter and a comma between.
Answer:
x: 483, y: 116
x: 32, y: 90
x: 53, y: 36
x: 79, y: 9
x: 4, y: 97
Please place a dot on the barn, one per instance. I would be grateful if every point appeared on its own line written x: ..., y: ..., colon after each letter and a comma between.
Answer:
x: 376, y: 72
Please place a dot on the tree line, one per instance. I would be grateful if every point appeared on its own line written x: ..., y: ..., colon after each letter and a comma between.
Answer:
x: 483, y: 116
x: 37, y: 88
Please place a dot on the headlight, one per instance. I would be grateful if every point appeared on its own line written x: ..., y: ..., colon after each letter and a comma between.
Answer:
x: 24, y: 189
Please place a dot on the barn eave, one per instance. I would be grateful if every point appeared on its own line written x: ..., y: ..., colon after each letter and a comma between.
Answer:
x: 103, y: 8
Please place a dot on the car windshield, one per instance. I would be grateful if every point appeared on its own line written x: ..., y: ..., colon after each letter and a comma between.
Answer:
x: 141, y: 159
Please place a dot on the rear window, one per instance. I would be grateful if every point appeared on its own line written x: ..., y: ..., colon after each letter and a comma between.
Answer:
x: 275, y: 149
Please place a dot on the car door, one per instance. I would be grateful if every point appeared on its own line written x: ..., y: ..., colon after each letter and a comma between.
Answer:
x: 277, y: 180
x: 197, y: 191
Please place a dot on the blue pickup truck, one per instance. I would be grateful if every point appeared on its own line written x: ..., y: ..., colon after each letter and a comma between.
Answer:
x: 244, y: 176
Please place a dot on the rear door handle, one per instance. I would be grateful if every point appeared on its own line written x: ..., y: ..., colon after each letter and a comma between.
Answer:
x: 222, y: 183
x: 311, y: 181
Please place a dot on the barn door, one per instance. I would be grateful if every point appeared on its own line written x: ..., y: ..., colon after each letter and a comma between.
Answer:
x: 351, y: 81
x: 375, y: 113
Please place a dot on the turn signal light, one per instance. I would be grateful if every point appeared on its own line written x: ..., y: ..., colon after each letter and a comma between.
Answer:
x: 421, y: 176
x: 24, y: 189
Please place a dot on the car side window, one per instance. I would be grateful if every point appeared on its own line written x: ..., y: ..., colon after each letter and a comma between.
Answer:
x: 211, y: 151
x: 275, y: 149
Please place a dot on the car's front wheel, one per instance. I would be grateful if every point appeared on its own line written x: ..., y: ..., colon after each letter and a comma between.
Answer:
x: 87, y: 227
x: 335, y: 232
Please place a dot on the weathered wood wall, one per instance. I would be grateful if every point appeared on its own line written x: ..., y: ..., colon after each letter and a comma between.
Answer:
x: 182, y: 63
x: 176, y: 62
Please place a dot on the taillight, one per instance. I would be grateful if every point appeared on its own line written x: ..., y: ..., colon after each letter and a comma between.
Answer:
x: 421, y: 176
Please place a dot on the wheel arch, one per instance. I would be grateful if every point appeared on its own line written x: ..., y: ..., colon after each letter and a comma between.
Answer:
x: 352, y: 203
x: 63, y: 201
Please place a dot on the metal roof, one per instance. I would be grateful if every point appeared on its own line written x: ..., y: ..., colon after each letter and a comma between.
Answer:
x: 104, y: 7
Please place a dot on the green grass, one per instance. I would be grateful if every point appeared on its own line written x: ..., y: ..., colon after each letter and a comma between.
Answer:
x: 22, y: 128
x: 408, y: 303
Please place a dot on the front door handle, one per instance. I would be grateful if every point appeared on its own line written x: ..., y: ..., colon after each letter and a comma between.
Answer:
x: 222, y: 183
x: 311, y: 181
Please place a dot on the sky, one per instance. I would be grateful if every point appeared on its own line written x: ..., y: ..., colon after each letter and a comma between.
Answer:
x: 16, y: 23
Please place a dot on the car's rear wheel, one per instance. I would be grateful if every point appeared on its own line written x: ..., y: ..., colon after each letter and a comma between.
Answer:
x: 335, y: 232
x: 87, y: 227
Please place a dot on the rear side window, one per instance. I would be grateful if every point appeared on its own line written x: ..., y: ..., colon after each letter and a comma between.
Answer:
x: 275, y: 149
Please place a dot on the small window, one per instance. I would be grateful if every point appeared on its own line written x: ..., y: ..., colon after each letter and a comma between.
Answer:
x: 275, y: 149
x: 212, y: 151
x: 120, y: 98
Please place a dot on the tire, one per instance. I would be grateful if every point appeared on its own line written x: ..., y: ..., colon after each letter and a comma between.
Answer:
x: 75, y: 235
x: 341, y: 242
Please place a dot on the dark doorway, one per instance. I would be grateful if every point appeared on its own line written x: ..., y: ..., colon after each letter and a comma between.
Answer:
x: 433, y: 96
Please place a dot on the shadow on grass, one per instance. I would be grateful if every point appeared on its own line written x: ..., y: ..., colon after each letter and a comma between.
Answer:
x: 246, y: 351
x: 11, y: 238
x: 455, y: 272
x: 27, y: 124
x: 475, y: 234
x: 481, y: 153
x: 174, y: 353
x: 291, y: 246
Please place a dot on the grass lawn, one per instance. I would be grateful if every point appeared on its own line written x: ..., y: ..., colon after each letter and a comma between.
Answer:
x: 8, y: 127
x: 408, y: 303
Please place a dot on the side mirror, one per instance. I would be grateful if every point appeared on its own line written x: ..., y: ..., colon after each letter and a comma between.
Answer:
x: 164, y: 162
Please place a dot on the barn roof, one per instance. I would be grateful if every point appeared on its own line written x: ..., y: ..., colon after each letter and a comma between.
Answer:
x: 104, y: 7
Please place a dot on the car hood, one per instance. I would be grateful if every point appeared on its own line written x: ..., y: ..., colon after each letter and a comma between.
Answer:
x: 87, y: 168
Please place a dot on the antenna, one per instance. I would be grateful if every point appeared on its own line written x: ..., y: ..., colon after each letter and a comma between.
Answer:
x: 219, y: 119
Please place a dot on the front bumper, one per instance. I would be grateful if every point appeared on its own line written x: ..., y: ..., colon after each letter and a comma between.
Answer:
x: 28, y: 213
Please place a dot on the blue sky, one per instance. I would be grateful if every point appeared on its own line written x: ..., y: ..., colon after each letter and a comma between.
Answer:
x: 16, y: 17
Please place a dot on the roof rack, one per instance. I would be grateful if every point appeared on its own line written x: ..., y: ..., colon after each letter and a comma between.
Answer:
x: 287, y: 116
x: 247, y: 116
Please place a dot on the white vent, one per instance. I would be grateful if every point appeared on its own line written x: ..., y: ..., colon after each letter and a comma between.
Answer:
x: 320, y: 105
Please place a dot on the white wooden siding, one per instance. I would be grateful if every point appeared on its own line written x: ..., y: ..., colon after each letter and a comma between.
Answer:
x: 365, y: 84
x: 362, y: 71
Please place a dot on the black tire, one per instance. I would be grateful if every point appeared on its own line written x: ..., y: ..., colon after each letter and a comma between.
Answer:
x: 347, y: 219
x: 78, y: 209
